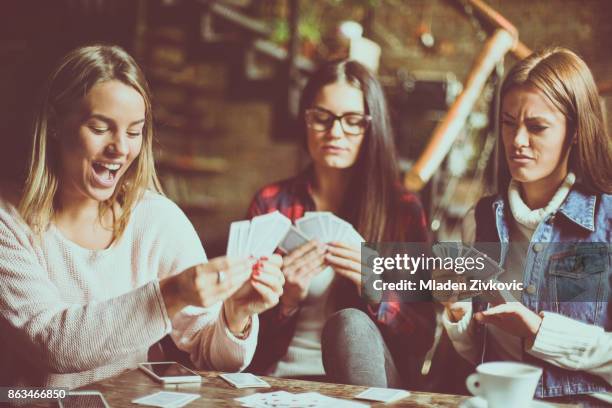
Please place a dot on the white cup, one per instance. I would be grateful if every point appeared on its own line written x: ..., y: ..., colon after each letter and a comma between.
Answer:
x: 504, y: 384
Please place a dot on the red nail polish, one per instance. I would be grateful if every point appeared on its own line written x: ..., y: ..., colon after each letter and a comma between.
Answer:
x: 264, y: 258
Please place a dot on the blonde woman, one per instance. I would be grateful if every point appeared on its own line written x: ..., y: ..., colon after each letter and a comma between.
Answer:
x: 97, y: 265
x: 554, y: 208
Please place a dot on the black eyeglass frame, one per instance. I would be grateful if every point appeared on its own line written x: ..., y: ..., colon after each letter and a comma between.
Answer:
x: 366, y: 118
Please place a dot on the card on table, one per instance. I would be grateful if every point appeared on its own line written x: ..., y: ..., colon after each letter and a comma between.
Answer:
x: 244, y: 380
x: 383, y: 394
x: 165, y: 399
x: 284, y: 399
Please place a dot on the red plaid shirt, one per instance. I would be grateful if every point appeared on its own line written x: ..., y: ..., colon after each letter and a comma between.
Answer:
x: 292, y: 197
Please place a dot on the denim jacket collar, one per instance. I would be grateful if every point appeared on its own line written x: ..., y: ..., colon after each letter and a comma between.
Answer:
x: 578, y: 207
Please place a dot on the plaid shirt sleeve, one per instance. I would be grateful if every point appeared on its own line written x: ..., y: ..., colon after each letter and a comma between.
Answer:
x: 401, y: 318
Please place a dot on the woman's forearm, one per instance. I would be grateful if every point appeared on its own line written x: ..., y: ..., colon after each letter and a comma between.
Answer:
x: 574, y: 345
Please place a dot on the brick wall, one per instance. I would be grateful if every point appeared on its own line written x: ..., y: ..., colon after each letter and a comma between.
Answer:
x: 196, y: 115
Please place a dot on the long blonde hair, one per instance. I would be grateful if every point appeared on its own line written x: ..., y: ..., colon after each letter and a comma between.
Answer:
x: 76, y: 74
x: 566, y: 81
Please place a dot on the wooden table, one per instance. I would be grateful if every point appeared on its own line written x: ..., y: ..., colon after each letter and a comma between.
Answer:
x: 121, y: 390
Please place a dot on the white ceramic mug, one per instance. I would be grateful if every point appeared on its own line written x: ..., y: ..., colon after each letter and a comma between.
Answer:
x: 504, y: 384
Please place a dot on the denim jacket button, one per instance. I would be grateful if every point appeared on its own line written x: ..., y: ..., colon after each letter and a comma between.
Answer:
x: 538, y: 247
x: 531, y: 289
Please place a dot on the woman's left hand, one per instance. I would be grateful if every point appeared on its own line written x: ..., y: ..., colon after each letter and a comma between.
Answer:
x: 257, y: 295
x: 346, y: 261
x: 513, y: 318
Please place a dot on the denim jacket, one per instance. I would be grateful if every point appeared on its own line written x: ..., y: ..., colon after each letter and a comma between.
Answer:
x: 567, y: 271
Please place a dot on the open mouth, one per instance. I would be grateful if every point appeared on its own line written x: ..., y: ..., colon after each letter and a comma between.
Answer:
x: 106, y: 173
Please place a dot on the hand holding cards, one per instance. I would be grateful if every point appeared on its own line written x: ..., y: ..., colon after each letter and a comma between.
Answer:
x: 264, y: 233
x: 321, y: 226
x: 484, y: 269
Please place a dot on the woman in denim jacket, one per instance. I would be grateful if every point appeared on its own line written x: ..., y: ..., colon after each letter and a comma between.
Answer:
x: 552, y: 222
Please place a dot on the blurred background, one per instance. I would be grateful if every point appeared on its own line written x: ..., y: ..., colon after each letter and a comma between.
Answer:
x: 226, y: 77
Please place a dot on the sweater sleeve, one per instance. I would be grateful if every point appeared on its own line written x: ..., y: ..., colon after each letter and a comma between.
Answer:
x: 203, y: 333
x: 461, y: 334
x: 573, y: 345
x: 64, y: 337
x: 200, y: 332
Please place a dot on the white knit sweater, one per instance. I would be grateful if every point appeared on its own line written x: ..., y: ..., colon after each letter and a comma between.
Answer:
x: 561, y: 341
x: 70, y: 316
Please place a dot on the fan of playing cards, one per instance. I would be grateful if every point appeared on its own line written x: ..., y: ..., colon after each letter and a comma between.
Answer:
x: 487, y: 270
x: 258, y: 237
x: 264, y: 233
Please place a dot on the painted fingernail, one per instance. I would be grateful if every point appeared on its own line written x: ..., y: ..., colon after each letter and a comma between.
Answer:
x: 264, y: 258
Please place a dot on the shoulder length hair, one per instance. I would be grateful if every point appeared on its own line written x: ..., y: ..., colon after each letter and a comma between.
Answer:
x: 72, y: 79
x: 566, y: 81
x: 372, y: 201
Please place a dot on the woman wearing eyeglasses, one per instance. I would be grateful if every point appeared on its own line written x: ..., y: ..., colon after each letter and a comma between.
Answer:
x: 354, y: 174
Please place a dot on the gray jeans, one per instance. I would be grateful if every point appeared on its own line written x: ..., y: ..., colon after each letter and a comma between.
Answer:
x: 354, y: 352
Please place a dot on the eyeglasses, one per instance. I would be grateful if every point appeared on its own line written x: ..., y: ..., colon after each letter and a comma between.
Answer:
x: 322, y: 120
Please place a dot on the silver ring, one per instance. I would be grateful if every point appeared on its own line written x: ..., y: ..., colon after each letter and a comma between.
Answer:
x: 220, y: 277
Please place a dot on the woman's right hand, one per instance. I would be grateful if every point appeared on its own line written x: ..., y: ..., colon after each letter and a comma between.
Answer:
x: 201, y: 285
x: 299, y: 268
x: 456, y: 310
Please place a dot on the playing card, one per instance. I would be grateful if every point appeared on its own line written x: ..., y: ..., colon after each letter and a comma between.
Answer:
x: 325, y: 220
x: 260, y: 225
x: 166, y: 399
x: 316, y: 400
x: 383, y: 394
x: 337, y: 227
x: 491, y: 269
x: 276, y: 226
x: 311, y: 227
x: 352, y: 237
x: 293, y: 240
x: 233, y: 243
x: 243, y: 238
x: 258, y: 237
x: 268, y: 399
x: 244, y: 380
x: 283, y: 399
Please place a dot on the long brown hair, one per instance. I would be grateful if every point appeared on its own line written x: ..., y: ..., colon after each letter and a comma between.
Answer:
x: 372, y: 202
x: 75, y: 75
x: 566, y: 81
